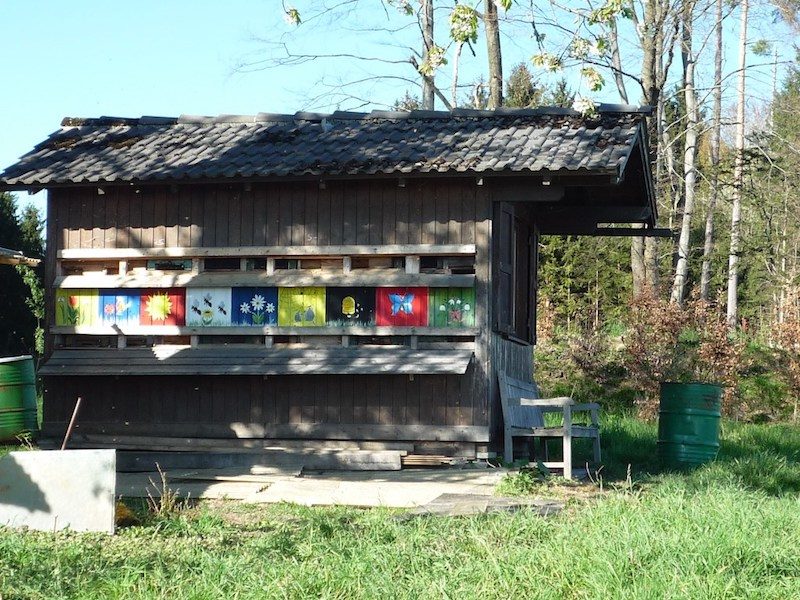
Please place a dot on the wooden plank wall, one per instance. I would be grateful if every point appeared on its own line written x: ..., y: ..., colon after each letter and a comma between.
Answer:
x: 445, y: 211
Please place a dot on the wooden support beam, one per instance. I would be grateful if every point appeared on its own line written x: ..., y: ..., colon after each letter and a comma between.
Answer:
x: 262, y: 251
x: 281, y: 278
x: 181, y: 330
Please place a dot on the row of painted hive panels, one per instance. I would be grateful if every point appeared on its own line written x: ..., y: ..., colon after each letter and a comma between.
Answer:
x: 261, y: 306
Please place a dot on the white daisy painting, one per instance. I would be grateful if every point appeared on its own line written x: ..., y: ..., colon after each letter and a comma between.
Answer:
x: 256, y: 306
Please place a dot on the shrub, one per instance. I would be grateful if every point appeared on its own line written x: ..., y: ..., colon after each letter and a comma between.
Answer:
x: 666, y: 342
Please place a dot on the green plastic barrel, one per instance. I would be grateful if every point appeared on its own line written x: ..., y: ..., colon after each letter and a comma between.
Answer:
x: 17, y: 397
x: 688, y: 423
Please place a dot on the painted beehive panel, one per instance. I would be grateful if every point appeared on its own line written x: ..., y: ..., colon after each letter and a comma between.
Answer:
x: 452, y: 307
x: 255, y: 306
x: 401, y: 307
x: 77, y: 307
x: 301, y: 307
x: 350, y: 306
x: 119, y: 307
x: 208, y: 307
x: 162, y: 307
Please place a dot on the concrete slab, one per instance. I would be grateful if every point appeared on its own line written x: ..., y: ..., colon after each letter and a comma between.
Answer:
x: 458, y: 505
x: 395, y: 489
x: 52, y: 490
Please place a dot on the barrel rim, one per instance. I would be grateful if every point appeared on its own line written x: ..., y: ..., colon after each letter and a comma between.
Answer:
x: 10, y: 359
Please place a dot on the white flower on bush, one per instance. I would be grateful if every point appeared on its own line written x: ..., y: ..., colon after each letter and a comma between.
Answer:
x: 585, y: 106
x: 464, y: 24
x: 433, y: 61
x: 579, y: 48
x: 593, y: 78
x: 244, y: 308
x: 270, y: 308
x: 291, y: 16
x: 547, y: 61
x: 404, y: 6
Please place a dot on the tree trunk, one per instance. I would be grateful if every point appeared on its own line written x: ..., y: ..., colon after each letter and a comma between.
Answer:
x: 738, y: 176
x: 494, y: 54
x: 454, y: 85
x: 716, y: 124
x: 427, y: 42
x: 616, y: 61
x: 644, y: 251
x: 689, y: 155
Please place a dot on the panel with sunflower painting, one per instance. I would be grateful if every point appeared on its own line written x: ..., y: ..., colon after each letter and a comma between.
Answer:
x: 452, y: 307
x: 119, y: 307
x: 76, y: 307
x: 208, y: 307
x: 162, y: 307
x: 255, y: 306
x: 301, y: 307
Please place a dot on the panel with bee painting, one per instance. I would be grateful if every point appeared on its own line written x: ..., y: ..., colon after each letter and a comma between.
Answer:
x: 452, y: 307
x: 255, y: 306
x: 301, y: 307
x: 402, y: 307
x: 350, y: 306
x: 208, y: 307
x: 162, y: 307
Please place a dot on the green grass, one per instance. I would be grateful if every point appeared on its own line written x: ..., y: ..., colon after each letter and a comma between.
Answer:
x: 730, y: 529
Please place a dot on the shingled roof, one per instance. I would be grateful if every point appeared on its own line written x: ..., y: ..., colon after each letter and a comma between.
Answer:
x: 147, y: 149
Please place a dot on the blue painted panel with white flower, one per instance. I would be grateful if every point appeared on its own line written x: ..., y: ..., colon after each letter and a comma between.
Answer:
x: 119, y: 307
x: 255, y: 306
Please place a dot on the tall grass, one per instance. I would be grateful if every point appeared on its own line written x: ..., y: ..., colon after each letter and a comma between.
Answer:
x: 730, y: 529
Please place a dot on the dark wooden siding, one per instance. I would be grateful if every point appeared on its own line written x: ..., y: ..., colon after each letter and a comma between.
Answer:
x: 300, y: 213
x: 290, y: 214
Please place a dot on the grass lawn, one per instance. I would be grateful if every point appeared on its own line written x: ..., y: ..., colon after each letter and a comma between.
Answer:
x: 730, y: 529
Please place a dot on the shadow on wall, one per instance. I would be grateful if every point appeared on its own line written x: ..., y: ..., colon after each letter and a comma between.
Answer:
x: 17, y: 488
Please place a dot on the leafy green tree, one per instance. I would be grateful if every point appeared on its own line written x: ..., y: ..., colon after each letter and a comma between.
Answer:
x: 18, y: 323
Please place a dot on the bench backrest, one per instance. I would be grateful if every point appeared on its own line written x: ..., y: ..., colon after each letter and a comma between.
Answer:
x: 514, y: 415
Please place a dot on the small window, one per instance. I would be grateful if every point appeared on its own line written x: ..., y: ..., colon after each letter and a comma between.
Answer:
x: 169, y: 265
x: 287, y: 263
x: 378, y: 262
x: 221, y: 264
x: 256, y: 264
x: 448, y: 265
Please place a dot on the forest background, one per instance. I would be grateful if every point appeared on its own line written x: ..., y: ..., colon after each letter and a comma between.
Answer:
x: 724, y: 83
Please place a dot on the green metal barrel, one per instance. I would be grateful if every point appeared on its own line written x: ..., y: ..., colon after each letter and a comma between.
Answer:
x: 688, y: 423
x: 17, y: 397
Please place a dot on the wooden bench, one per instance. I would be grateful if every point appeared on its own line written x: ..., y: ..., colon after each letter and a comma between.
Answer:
x: 523, y: 416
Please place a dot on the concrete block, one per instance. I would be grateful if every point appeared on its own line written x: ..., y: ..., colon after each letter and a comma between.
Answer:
x: 52, y: 490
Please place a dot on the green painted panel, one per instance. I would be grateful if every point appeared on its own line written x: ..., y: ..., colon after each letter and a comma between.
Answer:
x: 452, y: 307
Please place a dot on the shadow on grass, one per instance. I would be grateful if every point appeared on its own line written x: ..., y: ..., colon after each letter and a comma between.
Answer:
x: 759, y: 457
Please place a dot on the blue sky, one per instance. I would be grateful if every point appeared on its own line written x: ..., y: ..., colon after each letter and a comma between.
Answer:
x: 91, y: 58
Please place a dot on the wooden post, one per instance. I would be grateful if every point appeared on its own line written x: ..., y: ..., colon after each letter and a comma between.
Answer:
x: 71, y: 425
x: 567, y: 441
x: 412, y: 265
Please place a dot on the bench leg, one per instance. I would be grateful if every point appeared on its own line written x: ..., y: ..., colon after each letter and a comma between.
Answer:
x: 508, y: 452
x: 567, y: 456
x: 597, y: 448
